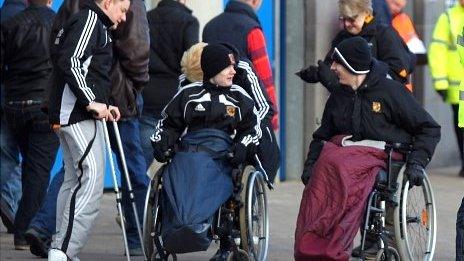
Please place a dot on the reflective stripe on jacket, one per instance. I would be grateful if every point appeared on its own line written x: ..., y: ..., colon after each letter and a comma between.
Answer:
x: 460, y: 46
x: 444, y: 63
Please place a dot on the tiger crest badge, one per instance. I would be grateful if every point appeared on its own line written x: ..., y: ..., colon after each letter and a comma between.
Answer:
x: 376, y: 107
x: 230, y: 111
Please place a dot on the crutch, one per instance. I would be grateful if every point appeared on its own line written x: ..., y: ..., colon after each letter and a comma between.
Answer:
x: 129, y: 185
x: 116, y: 189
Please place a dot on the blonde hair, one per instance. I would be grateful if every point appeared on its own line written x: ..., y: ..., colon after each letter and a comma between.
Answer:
x: 351, y: 8
x: 191, y: 62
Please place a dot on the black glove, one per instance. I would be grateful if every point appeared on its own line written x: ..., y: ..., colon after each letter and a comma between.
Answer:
x: 415, y: 174
x: 239, y: 152
x: 327, y: 77
x: 161, y: 153
x: 309, y: 74
x: 443, y: 94
x: 307, y: 172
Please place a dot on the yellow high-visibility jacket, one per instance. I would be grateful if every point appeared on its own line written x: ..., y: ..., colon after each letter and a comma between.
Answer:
x: 460, y: 46
x: 443, y: 58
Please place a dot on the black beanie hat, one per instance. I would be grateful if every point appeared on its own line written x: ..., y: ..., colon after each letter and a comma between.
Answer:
x: 214, y: 59
x: 354, y: 54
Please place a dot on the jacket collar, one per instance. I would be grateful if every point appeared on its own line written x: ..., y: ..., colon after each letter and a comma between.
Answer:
x: 174, y: 4
x: 101, y: 15
x: 213, y: 87
x: 238, y: 7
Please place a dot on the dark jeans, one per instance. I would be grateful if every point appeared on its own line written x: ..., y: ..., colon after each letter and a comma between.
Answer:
x: 45, y: 220
x: 38, y: 145
x: 130, y: 139
x: 460, y: 233
x: 10, y: 173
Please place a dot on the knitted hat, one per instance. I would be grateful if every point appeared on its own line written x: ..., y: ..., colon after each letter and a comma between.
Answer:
x: 354, y: 54
x: 214, y: 59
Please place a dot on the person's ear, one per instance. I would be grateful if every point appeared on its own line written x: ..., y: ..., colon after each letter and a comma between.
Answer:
x: 107, y: 3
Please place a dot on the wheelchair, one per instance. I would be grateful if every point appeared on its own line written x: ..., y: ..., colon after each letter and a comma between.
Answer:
x: 243, y: 217
x: 402, y: 218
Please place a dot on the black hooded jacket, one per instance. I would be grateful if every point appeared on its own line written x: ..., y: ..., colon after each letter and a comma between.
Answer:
x: 381, y: 109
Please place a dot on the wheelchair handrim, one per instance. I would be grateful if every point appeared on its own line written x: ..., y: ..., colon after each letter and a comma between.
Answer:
x: 426, y: 218
x: 254, y: 181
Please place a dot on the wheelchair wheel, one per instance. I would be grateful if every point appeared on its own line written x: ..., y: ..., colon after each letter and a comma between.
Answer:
x: 394, y: 256
x: 415, y: 220
x: 150, y: 217
x: 254, y: 220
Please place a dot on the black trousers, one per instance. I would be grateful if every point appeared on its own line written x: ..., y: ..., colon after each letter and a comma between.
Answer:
x: 38, y: 146
x: 459, y: 131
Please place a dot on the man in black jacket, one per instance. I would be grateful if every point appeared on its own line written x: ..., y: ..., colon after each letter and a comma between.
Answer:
x: 368, y: 105
x: 173, y: 30
x: 25, y: 60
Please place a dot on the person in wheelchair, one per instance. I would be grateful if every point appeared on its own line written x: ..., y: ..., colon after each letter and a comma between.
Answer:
x: 268, y: 151
x: 201, y: 124
x: 367, y: 106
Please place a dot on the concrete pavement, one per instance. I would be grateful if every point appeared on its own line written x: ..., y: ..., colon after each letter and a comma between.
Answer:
x: 106, y: 243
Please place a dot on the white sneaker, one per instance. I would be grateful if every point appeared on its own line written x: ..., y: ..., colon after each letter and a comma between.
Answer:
x: 57, y: 255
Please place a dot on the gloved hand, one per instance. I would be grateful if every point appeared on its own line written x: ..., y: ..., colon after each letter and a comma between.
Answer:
x: 443, y: 94
x: 415, y: 174
x: 309, y: 74
x: 307, y: 172
x: 160, y: 153
x: 327, y: 77
x: 239, y: 152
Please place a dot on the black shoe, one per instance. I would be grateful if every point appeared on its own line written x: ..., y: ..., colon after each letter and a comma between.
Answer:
x: 20, y: 243
x: 461, y: 173
x: 39, y: 243
x: 221, y: 255
x: 7, y: 216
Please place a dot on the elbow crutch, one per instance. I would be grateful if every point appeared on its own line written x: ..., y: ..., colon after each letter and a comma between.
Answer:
x: 116, y: 189
x: 129, y: 186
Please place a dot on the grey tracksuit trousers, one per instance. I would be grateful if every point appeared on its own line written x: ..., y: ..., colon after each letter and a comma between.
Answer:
x: 79, y: 197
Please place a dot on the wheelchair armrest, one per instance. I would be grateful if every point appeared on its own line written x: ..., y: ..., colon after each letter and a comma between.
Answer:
x: 398, y: 147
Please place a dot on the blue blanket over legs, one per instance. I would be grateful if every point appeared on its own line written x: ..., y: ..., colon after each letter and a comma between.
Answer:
x: 196, y: 183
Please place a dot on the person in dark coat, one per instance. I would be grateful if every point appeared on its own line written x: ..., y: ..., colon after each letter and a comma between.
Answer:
x: 369, y: 106
x: 385, y: 44
x: 173, y: 30
x: 10, y: 173
x: 26, y: 63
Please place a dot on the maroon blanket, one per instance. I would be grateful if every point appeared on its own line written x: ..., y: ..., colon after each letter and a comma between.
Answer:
x: 334, y: 201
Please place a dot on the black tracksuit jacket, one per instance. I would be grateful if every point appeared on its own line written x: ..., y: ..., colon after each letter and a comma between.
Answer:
x: 206, y: 106
x: 82, y: 56
x: 381, y: 109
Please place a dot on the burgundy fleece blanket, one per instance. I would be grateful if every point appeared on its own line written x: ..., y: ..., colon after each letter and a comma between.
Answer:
x: 333, y: 202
